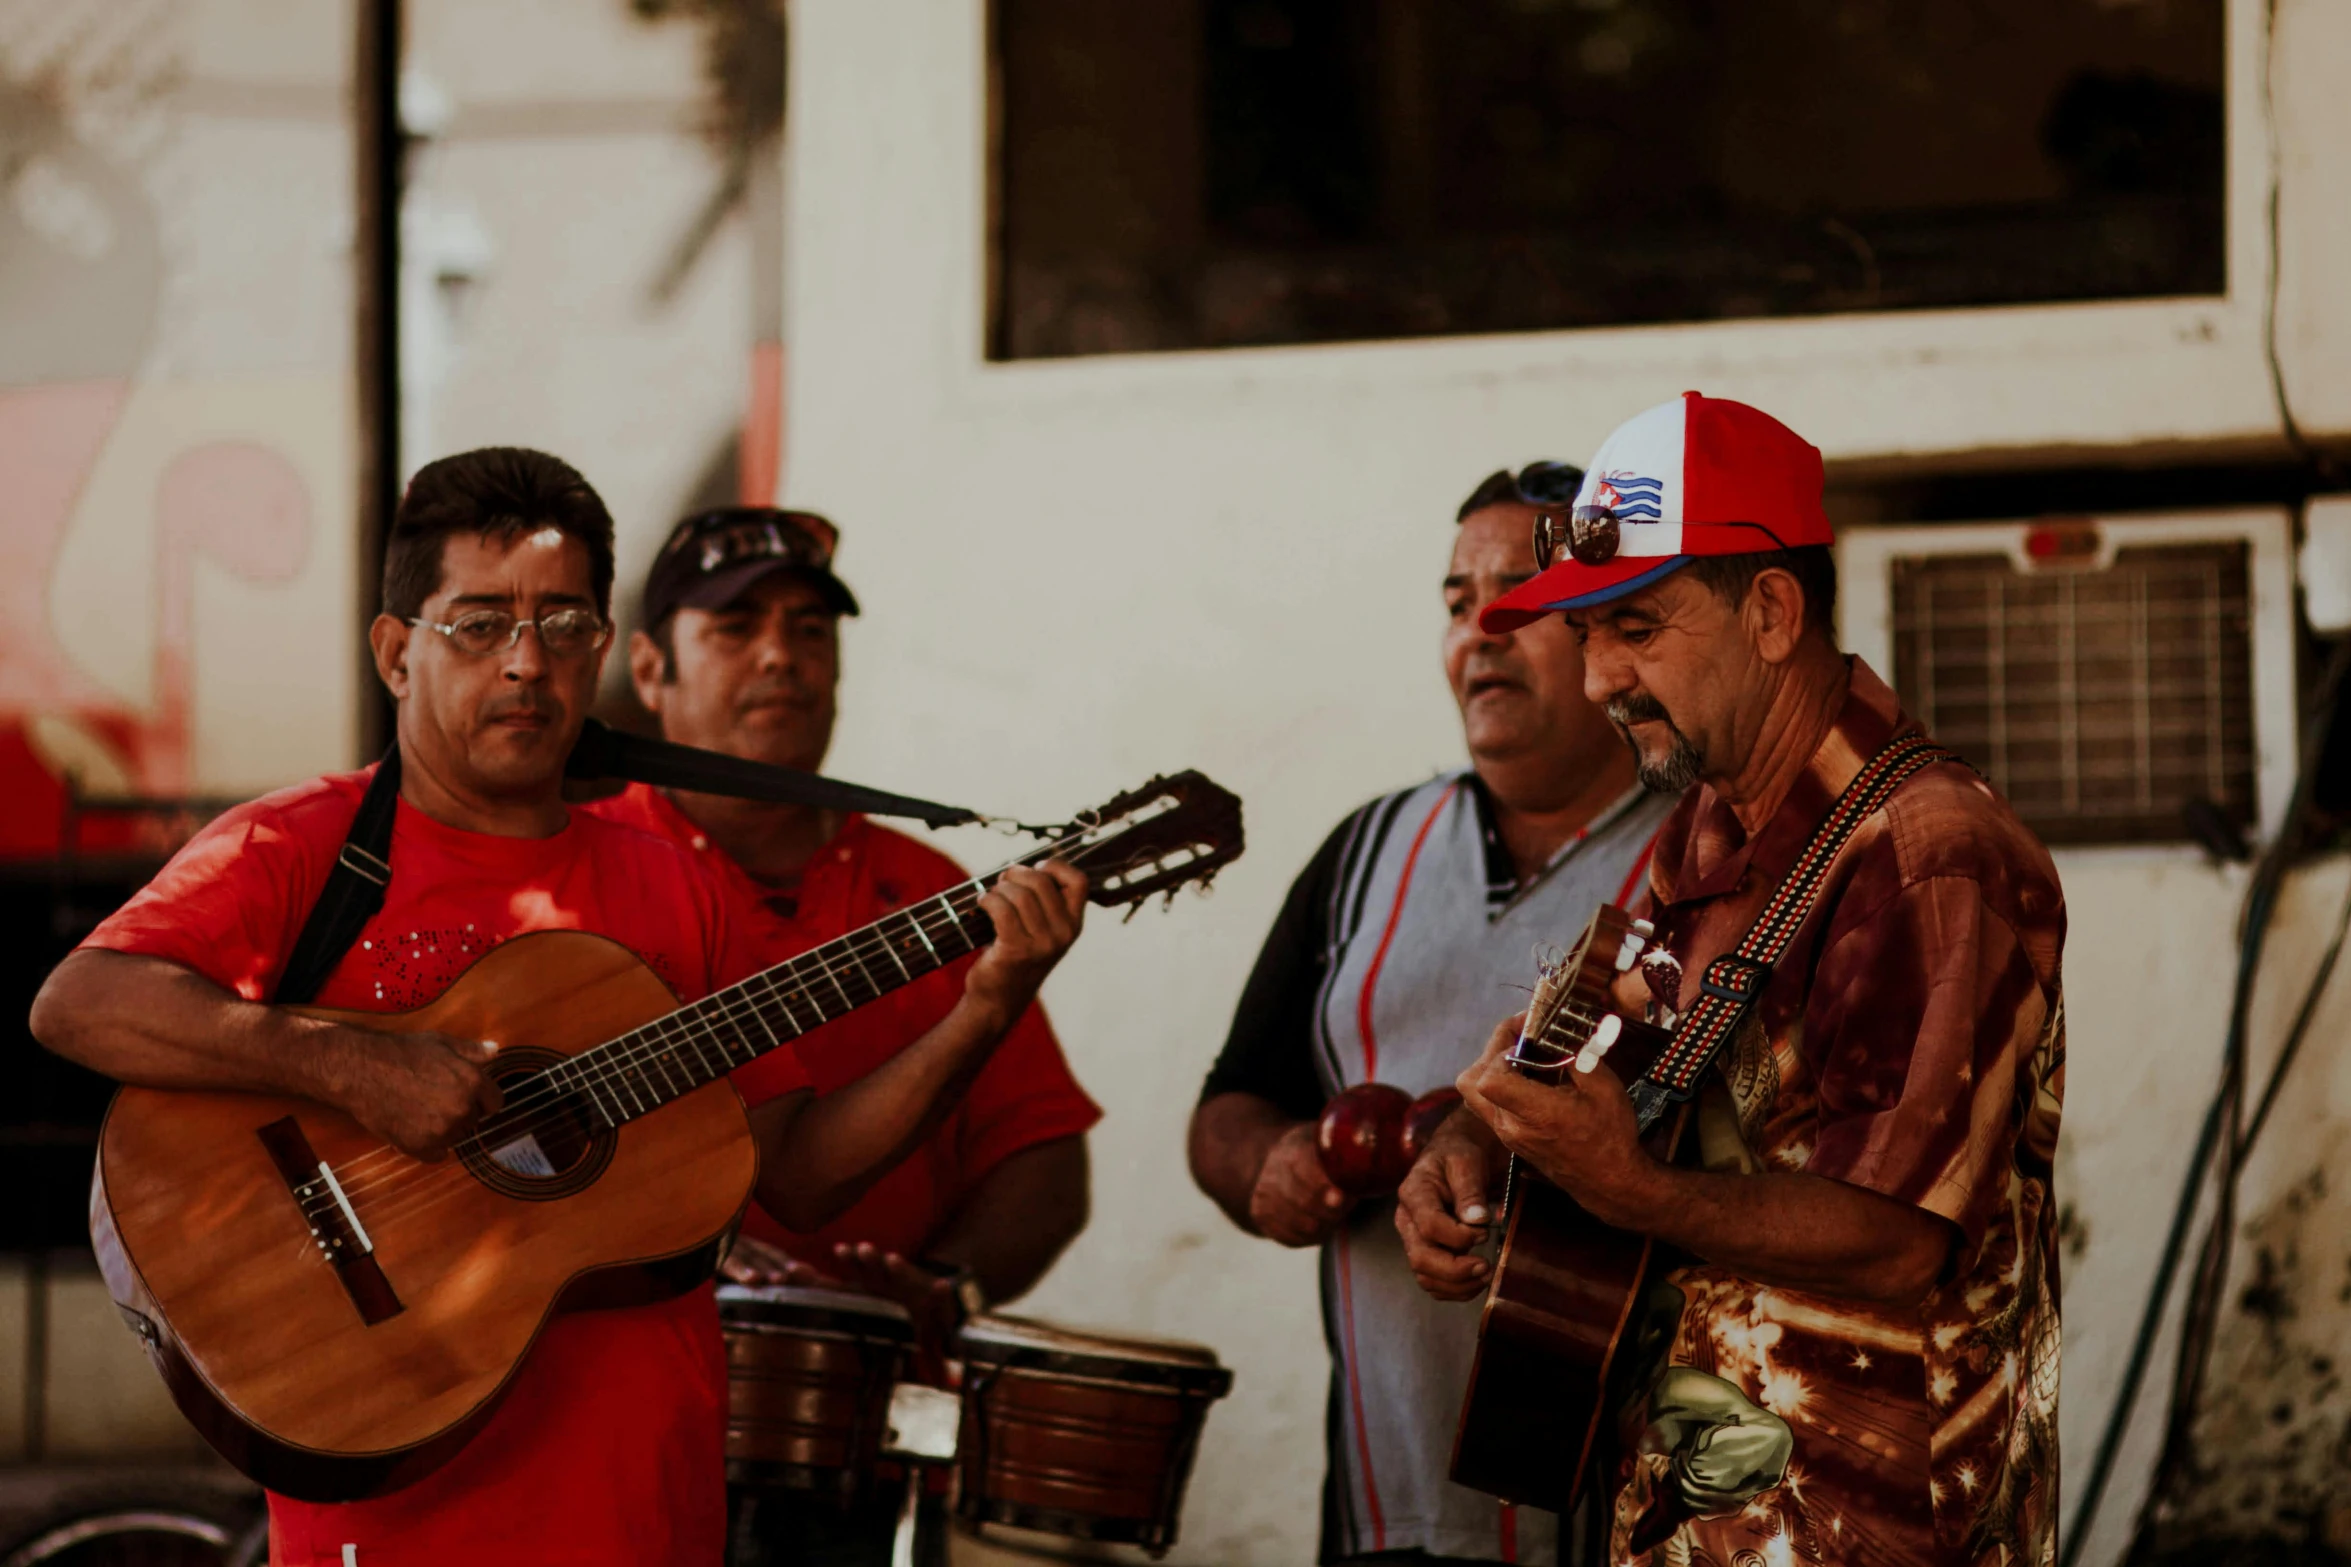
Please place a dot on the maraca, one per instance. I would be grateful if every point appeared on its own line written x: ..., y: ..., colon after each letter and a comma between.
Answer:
x: 1370, y: 1134
x: 1428, y: 1112
x: 1360, y: 1139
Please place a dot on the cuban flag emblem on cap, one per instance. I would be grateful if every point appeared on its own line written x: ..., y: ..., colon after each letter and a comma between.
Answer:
x: 1697, y: 476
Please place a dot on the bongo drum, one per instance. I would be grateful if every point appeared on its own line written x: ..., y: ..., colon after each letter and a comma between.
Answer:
x: 808, y: 1384
x: 1080, y: 1434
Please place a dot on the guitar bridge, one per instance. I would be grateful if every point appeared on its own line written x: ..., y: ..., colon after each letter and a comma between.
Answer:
x: 333, y: 1222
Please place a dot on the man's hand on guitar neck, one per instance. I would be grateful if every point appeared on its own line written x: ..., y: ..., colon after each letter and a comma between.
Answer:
x: 1037, y: 913
x: 143, y: 1020
x: 818, y: 1155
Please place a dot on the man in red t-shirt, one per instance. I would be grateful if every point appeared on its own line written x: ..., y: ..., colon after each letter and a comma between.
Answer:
x: 607, y: 1446
x: 740, y: 654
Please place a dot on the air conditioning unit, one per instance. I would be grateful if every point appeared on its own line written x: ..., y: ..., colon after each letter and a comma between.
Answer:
x: 2102, y: 672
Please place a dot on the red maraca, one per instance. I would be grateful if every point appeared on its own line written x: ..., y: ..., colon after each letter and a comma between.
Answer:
x: 1428, y: 1112
x: 1360, y: 1139
x: 1370, y: 1134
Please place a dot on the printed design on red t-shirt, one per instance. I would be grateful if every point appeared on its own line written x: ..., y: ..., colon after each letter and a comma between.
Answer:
x: 404, y: 970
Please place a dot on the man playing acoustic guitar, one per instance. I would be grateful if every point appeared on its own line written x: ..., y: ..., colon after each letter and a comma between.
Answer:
x: 1849, y: 1353
x: 497, y: 584
x: 740, y: 653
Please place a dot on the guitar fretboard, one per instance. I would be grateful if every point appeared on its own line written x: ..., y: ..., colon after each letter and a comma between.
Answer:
x: 641, y: 1071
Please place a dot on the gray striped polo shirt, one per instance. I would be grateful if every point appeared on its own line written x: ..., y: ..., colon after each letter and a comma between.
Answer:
x: 1401, y: 945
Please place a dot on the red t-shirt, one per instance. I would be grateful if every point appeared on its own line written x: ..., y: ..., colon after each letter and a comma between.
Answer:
x: 608, y: 1446
x: 1025, y: 1095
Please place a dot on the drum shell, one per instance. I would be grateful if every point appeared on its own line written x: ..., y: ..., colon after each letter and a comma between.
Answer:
x: 1088, y: 1445
x: 808, y: 1391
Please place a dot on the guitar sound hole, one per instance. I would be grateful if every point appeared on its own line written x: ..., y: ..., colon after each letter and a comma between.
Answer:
x: 540, y: 1148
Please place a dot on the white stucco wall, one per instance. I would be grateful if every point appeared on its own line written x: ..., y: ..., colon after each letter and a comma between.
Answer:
x: 1080, y: 572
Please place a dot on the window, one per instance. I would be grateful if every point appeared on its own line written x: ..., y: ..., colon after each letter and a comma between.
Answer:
x: 1211, y: 173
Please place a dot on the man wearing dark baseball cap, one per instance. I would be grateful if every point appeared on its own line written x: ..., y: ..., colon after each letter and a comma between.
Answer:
x: 740, y: 653
x: 1852, y: 1345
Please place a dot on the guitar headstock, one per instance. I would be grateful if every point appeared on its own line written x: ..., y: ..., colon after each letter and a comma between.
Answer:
x: 1572, y: 992
x: 1171, y: 833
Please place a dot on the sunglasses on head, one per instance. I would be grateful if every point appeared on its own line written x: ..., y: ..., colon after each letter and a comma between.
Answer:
x: 1589, y: 534
x: 717, y: 540
x: 1537, y: 484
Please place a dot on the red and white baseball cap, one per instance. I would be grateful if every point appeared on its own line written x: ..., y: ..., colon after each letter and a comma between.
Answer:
x: 1697, y: 476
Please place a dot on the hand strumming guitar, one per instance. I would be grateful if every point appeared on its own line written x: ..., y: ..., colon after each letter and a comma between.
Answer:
x: 144, y: 1020
x: 419, y: 1092
x: 1580, y: 1135
x: 1446, y: 1204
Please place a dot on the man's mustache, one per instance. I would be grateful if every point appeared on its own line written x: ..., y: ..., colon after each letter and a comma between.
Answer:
x: 524, y: 699
x: 770, y: 693
x: 1638, y: 708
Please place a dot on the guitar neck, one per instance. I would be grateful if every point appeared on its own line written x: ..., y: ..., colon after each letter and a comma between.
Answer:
x: 641, y: 1071
x: 1552, y: 1046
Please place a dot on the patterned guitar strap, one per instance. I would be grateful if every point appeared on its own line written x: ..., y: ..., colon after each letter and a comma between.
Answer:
x: 1733, y: 981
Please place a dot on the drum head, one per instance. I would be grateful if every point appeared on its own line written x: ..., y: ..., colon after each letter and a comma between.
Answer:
x: 796, y: 1308
x: 1026, y: 1344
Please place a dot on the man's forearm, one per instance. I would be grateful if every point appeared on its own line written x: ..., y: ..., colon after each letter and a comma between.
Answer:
x: 1230, y: 1136
x: 1019, y: 1217
x: 146, y: 1021
x: 819, y: 1155
x: 1797, y: 1231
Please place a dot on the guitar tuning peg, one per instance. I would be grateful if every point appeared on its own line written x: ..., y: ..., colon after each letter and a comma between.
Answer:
x: 1645, y: 930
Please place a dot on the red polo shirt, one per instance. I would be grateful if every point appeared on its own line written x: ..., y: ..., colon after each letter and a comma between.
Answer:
x: 608, y: 1446
x: 1025, y: 1095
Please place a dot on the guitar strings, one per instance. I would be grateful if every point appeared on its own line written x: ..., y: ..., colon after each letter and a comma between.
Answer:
x: 696, y: 1027
x: 668, y: 1036
x: 690, y: 1027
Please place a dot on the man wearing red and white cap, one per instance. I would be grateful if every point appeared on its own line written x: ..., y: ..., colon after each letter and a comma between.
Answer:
x: 1850, y: 1352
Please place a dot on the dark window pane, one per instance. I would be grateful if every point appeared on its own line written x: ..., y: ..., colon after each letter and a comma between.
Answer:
x: 1209, y: 173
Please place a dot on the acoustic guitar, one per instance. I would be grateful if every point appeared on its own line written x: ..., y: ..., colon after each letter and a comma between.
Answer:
x: 337, y: 1318
x: 1564, y: 1284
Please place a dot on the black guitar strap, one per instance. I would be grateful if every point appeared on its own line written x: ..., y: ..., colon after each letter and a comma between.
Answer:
x: 1734, y: 980
x: 356, y: 883
x: 354, y: 892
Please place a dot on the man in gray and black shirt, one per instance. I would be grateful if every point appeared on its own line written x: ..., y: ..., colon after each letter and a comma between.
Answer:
x: 1411, y: 929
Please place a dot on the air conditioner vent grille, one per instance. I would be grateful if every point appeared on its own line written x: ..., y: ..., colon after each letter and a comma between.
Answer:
x: 2098, y: 701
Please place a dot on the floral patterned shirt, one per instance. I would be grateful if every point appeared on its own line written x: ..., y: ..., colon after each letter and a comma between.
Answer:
x: 1912, y: 1042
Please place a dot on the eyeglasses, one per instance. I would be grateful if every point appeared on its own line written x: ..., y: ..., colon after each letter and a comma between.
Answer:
x: 564, y: 633
x: 1588, y: 533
